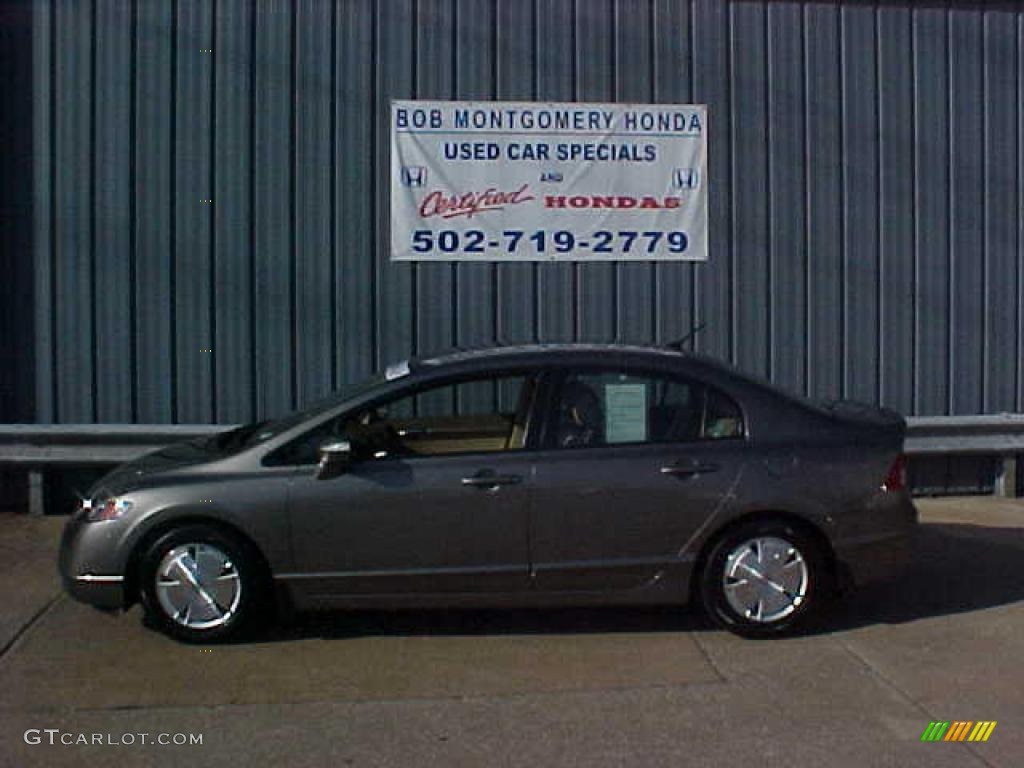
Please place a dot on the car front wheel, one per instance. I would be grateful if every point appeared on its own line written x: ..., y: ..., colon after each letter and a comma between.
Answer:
x: 200, y: 584
x: 763, y: 578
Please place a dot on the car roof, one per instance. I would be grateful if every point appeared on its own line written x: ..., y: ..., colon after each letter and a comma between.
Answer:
x: 552, y: 349
x: 563, y: 352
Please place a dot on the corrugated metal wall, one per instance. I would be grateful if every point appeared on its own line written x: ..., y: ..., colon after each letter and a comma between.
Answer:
x: 15, y: 215
x: 865, y: 180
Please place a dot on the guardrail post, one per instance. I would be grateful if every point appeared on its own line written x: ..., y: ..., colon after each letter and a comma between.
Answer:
x: 35, y: 492
x: 1006, y: 476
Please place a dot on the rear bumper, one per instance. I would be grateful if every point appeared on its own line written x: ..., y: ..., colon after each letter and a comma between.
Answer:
x: 874, y: 561
x: 880, y: 556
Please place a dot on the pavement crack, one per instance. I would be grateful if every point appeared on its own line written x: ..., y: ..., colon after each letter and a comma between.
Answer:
x: 707, y: 657
x: 903, y: 694
x: 6, y: 711
x: 24, y: 628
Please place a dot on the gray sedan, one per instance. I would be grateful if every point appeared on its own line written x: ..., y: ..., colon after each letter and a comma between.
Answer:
x: 531, y: 475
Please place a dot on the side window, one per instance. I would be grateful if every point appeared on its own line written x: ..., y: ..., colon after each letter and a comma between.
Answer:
x: 477, y: 416
x: 722, y: 417
x: 613, y: 407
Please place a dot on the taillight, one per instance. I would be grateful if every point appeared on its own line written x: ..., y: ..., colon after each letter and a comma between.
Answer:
x: 896, y: 480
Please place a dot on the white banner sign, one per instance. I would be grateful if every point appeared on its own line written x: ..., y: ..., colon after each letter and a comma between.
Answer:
x: 526, y: 181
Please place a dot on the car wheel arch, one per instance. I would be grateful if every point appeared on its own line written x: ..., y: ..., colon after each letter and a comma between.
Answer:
x: 168, y: 524
x: 803, y: 524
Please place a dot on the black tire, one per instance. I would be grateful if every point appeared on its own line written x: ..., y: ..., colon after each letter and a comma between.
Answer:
x: 200, y: 543
x: 791, y: 600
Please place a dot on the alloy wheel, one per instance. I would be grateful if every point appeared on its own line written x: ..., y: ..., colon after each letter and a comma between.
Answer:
x: 198, y: 586
x: 765, y: 579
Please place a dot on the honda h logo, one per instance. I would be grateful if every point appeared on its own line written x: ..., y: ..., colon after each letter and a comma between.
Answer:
x: 686, y: 178
x: 414, y: 176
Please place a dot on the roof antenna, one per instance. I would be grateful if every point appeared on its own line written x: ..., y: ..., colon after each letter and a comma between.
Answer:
x: 678, y: 344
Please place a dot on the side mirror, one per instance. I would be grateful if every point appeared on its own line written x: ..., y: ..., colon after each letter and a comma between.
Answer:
x: 335, y: 458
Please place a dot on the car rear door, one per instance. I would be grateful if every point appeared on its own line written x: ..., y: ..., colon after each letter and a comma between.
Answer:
x: 620, y: 491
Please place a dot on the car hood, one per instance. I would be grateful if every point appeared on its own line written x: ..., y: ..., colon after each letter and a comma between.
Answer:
x: 143, y: 470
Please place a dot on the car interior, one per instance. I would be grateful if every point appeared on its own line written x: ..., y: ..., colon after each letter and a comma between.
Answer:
x: 605, y: 408
x: 491, y: 415
x: 411, y: 426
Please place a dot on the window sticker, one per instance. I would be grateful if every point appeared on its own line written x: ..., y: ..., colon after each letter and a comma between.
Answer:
x: 625, y: 407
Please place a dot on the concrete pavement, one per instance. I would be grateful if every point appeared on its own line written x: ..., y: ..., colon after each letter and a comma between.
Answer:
x: 635, y: 687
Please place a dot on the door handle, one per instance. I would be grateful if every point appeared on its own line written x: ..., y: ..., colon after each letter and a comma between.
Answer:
x: 689, y: 470
x: 488, y: 479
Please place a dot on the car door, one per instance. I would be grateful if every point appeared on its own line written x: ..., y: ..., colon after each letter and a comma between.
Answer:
x: 435, y: 501
x: 634, y: 464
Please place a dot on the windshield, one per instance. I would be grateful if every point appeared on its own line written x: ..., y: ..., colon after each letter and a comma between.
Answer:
x: 259, y: 432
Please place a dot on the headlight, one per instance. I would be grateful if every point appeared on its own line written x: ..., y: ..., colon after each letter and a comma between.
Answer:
x: 104, y: 509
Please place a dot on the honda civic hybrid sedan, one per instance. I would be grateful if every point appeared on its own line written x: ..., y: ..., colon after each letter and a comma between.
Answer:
x: 517, y: 476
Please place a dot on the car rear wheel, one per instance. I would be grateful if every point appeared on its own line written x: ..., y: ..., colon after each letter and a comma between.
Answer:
x: 200, y: 584
x: 763, y: 578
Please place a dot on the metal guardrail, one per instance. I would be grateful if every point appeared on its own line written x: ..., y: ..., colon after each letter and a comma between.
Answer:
x: 38, y: 447
x: 83, y: 445
x: 1000, y: 435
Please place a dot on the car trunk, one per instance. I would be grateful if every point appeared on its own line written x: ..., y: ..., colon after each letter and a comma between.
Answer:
x: 886, y: 423
x: 874, y: 443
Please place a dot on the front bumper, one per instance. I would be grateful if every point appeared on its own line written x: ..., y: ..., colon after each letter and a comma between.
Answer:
x: 89, y: 569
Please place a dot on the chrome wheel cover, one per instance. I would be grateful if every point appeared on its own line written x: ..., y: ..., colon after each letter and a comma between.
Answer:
x: 765, y: 579
x: 198, y: 586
